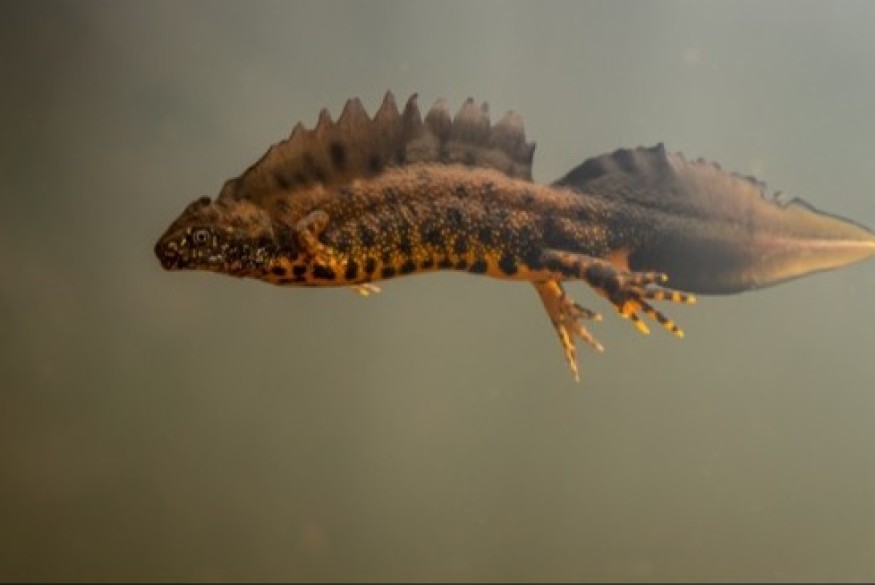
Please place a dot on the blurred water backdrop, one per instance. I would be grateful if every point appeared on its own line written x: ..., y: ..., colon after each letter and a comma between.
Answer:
x: 194, y: 427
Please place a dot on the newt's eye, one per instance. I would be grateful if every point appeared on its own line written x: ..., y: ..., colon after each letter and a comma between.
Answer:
x: 200, y: 237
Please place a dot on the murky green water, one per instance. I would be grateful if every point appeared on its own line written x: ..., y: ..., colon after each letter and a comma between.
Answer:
x: 190, y: 426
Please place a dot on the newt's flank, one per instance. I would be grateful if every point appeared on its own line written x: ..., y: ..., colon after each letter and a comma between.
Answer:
x: 363, y: 199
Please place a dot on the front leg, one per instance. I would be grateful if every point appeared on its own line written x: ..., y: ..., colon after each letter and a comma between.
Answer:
x: 308, y: 230
x: 327, y: 263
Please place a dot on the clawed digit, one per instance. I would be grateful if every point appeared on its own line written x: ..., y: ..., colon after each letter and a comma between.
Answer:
x: 630, y: 292
x: 365, y: 289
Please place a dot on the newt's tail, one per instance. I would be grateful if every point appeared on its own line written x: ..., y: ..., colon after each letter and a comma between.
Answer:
x: 713, y: 231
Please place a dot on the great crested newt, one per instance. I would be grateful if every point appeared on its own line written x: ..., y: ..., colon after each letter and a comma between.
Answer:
x: 359, y: 200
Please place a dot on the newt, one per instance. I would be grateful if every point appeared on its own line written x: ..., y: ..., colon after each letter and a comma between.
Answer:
x: 363, y: 199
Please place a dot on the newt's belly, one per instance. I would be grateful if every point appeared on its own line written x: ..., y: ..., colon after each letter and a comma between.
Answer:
x: 426, y: 236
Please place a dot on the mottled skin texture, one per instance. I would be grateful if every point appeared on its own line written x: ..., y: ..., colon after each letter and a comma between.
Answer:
x: 368, y: 199
x: 412, y: 219
x: 427, y: 217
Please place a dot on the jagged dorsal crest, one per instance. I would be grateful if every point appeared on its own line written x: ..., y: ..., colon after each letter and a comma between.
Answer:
x: 656, y: 178
x: 335, y: 153
x: 660, y: 180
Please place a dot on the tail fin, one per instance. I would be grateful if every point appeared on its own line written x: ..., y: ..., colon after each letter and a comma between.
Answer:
x: 713, y: 231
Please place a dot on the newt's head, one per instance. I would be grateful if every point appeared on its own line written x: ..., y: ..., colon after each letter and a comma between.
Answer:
x: 216, y: 237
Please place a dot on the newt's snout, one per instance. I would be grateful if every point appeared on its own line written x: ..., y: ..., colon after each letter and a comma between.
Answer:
x: 167, y: 254
x: 191, y: 239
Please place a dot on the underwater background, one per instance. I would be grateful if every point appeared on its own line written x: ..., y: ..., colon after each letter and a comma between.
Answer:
x: 189, y: 426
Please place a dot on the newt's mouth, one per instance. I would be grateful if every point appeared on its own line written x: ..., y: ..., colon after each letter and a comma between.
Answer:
x: 168, y: 255
x: 176, y: 256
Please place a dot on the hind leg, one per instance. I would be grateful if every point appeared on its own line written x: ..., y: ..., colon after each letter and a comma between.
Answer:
x: 566, y: 316
x: 629, y: 292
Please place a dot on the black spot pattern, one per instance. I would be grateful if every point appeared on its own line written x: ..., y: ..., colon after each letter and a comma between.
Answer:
x: 553, y: 264
x: 405, y: 247
x: 342, y: 242
x: 408, y: 267
x: 431, y: 235
x: 323, y: 272
x: 338, y: 155
x: 533, y: 259
x: 352, y: 270
x: 507, y: 264
x: 282, y: 180
x: 455, y: 217
x: 367, y: 236
x: 479, y: 266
